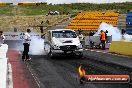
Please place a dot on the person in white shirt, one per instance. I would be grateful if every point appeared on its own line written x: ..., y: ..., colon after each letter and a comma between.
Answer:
x: 81, y: 37
x: 2, y: 37
x: 26, y: 44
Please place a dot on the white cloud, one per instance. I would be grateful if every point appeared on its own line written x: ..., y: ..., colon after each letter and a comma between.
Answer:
x: 66, y: 1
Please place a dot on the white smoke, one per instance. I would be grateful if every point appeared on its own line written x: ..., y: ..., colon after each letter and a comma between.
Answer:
x: 127, y: 37
x: 36, y: 46
x: 112, y: 31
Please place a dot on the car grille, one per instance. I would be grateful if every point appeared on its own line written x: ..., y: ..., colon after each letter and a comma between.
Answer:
x: 68, y: 47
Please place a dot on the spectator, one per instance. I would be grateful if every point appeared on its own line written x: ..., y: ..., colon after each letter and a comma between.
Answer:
x: 15, y: 29
x: 81, y: 37
x: 42, y: 22
x: 47, y: 21
x: 123, y: 31
x: 106, y: 32
x: 26, y: 44
x: 79, y: 31
x: 92, y: 33
x: 2, y: 37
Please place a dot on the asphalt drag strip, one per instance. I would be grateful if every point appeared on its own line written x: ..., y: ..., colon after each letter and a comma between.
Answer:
x: 62, y: 72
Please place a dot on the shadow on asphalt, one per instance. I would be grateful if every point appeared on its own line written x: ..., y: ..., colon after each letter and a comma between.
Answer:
x: 38, y: 56
x: 57, y: 57
x: 66, y: 58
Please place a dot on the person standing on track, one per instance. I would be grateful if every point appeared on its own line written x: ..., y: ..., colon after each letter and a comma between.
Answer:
x: 81, y: 37
x: 2, y: 37
x: 102, y: 38
x: 26, y: 44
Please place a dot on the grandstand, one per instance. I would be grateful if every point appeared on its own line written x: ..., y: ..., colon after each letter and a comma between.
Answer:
x: 90, y: 21
x: 121, y: 24
x: 129, y: 23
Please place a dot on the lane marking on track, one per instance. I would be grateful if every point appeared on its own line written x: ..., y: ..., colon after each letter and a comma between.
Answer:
x: 107, y: 53
x: 98, y: 51
x: 9, y: 77
x: 35, y: 77
x: 92, y: 50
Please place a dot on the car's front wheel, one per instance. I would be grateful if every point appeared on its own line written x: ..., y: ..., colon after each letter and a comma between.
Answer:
x: 50, y: 54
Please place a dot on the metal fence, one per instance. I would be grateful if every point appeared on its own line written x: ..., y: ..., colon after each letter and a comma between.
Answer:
x: 94, y: 42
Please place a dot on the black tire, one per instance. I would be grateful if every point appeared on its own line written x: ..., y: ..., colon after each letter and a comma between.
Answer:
x: 50, y: 54
x: 65, y: 52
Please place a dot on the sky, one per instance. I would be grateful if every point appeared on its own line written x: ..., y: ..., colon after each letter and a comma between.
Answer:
x: 66, y: 1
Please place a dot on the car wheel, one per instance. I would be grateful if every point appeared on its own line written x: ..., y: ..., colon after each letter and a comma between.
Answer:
x: 50, y: 54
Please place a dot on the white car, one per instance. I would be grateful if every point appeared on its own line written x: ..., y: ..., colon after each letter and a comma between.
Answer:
x: 63, y: 41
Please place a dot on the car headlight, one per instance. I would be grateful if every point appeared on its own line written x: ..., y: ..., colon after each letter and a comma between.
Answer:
x: 56, y: 47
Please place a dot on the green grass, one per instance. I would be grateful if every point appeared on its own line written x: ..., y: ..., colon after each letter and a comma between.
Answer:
x: 65, y: 8
x: 121, y: 47
x: 6, y: 10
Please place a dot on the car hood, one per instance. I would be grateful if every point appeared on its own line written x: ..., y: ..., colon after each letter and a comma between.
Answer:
x: 66, y: 41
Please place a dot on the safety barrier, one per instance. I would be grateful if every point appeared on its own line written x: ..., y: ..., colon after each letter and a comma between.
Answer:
x: 96, y: 41
x: 19, y: 35
x: 3, y: 65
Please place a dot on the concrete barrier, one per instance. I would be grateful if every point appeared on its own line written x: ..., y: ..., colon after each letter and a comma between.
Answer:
x: 19, y: 35
x: 3, y: 65
x: 121, y: 47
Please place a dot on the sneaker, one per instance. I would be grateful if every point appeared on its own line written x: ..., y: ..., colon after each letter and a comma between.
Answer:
x: 29, y: 59
x: 23, y: 59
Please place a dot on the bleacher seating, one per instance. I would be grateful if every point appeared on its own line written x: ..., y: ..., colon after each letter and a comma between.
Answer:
x: 92, y: 20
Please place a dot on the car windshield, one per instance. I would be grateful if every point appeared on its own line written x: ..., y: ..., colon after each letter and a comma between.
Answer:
x: 64, y: 34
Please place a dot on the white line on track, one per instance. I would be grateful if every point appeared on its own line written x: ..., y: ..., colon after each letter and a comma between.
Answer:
x: 35, y: 78
x: 9, y: 77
